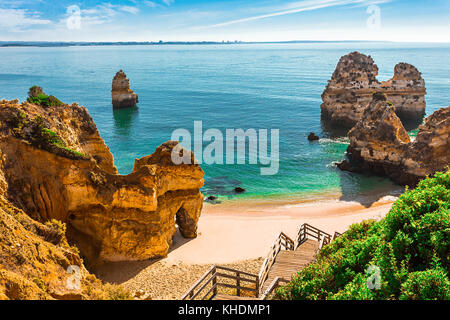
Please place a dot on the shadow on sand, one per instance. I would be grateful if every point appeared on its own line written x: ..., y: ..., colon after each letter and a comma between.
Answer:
x: 120, y: 272
x: 366, y: 188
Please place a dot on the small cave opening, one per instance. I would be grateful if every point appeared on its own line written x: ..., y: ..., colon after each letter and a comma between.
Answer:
x: 180, y: 219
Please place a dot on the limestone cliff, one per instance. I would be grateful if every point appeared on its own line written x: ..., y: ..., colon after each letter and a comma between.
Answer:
x: 36, y: 262
x: 379, y: 143
x: 354, y: 81
x: 56, y: 166
x: 122, y: 95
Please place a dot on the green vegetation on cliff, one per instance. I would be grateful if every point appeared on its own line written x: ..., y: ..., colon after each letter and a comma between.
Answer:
x: 46, y: 139
x: 37, y: 96
x: 404, y: 256
x: 36, y: 130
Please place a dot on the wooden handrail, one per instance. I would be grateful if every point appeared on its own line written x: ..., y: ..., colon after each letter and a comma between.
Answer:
x: 306, y: 231
x: 288, y: 243
x: 336, y: 235
x: 325, y: 240
x: 283, y: 241
x: 191, y: 290
x: 235, y: 270
x: 213, y: 276
x: 275, y: 284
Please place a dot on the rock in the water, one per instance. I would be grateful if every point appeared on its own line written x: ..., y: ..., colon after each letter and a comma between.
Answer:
x: 239, y: 190
x: 346, y: 166
x: 354, y: 81
x: 380, y: 144
x: 60, y: 168
x: 122, y: 95
x: 313, y: 137
x: 212, y: 198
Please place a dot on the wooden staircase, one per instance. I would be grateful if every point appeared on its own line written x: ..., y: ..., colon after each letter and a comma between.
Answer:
x: 290, y: 262
x: 286, y: 257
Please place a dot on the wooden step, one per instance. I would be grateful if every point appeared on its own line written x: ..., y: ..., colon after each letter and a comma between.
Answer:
x: 289, y: 263
x: 227, y: 297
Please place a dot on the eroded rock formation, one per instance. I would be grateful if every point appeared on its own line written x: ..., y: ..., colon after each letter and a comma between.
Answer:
x: 122, y: 95
x: 56, y: 166
x: 380, y: 144
x: 35, y: 260
x: 354, y: 81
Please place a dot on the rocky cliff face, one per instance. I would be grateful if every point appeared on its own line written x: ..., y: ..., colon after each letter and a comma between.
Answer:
x: 379, y: 143
x: 122, y: 95
x: 55, y: 166
x: 354, y: 81
x: 36, y: 262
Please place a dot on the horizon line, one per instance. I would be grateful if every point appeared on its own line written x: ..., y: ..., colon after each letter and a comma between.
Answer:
x: 6, y: 43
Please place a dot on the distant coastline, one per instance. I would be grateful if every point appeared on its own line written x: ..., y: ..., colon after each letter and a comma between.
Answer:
x: 150, y: 43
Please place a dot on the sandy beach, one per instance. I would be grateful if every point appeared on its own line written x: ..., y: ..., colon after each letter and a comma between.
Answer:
x: 231, y: 233
x: 237, y: 235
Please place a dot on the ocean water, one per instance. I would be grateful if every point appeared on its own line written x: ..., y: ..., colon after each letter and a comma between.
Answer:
x: 260, y: 86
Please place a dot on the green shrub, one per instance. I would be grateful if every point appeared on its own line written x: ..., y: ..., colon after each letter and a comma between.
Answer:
x: 45, y: 100
x: 74, y: 152
x: 42, y: 135
x: 430, y: 284
x: 410, y: 246
x: 37, y: 96
x: 114, y: 292
x: 21, y: 120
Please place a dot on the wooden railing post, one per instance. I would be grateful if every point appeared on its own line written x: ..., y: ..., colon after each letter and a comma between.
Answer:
x: 238, y: 284
x: 257, y: 287
x: 214, y: 281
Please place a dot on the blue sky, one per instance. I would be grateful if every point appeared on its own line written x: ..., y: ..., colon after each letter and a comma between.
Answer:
x: 228, y: 20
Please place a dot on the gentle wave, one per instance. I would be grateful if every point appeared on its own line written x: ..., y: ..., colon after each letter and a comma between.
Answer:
x: 342, y: 140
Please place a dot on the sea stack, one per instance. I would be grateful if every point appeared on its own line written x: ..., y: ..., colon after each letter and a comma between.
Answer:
x: 380, y: 144
x: 354, y: 81
x: 122, y: 95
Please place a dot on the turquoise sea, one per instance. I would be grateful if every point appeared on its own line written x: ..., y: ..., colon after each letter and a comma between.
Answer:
x: 261, y: 86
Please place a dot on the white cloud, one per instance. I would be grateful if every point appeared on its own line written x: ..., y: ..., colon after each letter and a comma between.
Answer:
x: 104, y: 13
x: 12, y: 18
x: 300, y: 6
x: 151, y: 4
x: 168, y: 2
x: 129, y: 9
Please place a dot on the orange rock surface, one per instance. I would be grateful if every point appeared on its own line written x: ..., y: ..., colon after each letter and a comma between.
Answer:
x: 54, y: 165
